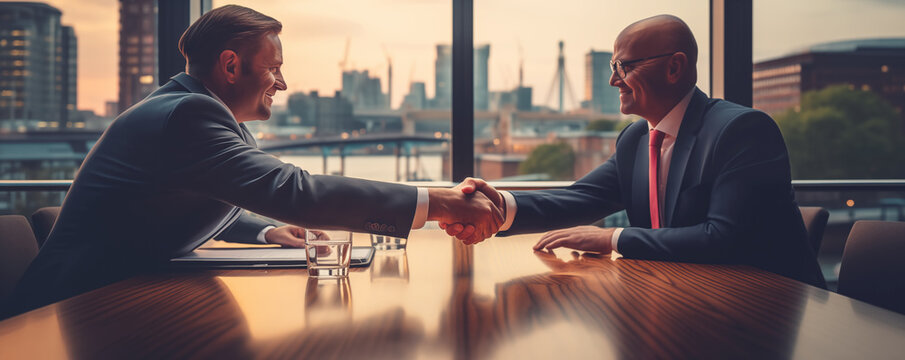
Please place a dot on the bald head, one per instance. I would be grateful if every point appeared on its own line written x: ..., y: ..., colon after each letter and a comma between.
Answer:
x: 657, y: 63
x: 663, y: 34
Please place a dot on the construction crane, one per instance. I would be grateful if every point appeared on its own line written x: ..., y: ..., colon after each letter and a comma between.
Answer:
x: 342, y: 64
x: 389, y: 76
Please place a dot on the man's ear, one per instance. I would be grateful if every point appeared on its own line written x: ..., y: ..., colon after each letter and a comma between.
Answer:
x: 228, y: 65
x: 676, y: 67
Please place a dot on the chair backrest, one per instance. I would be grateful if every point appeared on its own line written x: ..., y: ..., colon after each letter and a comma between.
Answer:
x: 815, y: 218
x: 43, y: 221
x: 872, y: 267
x: 17, y: 249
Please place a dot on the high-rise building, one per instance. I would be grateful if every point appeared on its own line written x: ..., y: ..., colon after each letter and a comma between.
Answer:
x: 330, y: 115
x: 416, y: 99
x: 600, y: 96
x: 137, y: 51
x: 363, y: 91
x: 443, y: 78
x: 869, y: 64
x: 69, y: 75
x: 38, y: 62
x: 481, y: 95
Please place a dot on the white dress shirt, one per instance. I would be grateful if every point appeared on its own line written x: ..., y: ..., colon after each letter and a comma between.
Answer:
x: 669, y: 125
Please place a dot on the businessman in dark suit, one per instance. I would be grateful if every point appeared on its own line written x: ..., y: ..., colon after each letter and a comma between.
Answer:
x: 701, y: 179
x: 178, y: 168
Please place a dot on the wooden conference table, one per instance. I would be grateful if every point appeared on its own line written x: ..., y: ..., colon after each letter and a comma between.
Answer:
x: 442, y: 300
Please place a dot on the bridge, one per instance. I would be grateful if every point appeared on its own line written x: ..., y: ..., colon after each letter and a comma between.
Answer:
x: 403, y: 144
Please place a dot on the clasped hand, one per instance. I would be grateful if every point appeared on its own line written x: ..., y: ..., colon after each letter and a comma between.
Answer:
x: 586, y: 238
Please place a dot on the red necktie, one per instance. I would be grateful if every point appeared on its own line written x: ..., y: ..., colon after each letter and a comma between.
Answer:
x: 656, y: 139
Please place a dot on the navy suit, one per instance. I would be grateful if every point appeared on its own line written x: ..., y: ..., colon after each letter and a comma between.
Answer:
x: 729, y: 197
x: 175, y: 170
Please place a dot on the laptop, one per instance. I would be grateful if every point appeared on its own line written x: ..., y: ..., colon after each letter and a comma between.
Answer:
x: 254, y: 258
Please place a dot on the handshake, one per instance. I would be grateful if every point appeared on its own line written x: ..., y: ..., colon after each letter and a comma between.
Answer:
x: 472, y: 211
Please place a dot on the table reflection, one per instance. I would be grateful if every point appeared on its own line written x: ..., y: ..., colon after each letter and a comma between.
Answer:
x: 328, y: 301
x: 390, y: 265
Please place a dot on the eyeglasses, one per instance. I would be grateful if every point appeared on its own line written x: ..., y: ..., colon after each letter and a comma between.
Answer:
x: 618, y: 66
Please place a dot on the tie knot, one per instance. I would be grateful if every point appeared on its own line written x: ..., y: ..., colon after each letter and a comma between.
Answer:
x: 656, y: 137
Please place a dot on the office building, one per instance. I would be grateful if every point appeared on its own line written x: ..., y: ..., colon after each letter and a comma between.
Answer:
x: 600, y: 96
x: 481, y: 96
x: 38, y: 62
x: 137, y: 51
x: 518, y: 98
x: 329, y: 115
x: 443, y: 78
x: 363, y: 91
x: 416, y: 99
x: 868, y: 64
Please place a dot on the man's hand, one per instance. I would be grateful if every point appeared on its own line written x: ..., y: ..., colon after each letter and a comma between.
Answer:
x: 476, y: 211
x: 463, y: 231
x: 585, y: 238
x: 286, y: 236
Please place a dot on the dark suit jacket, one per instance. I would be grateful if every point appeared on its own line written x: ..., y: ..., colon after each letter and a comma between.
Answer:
x: 729, y: 196
x: 172, y: 172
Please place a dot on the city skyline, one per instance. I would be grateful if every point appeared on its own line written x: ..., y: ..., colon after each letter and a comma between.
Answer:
x: 315, y: 33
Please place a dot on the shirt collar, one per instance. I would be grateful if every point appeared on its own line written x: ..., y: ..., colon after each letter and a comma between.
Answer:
x: 673, y: 120
x: 214, y: 95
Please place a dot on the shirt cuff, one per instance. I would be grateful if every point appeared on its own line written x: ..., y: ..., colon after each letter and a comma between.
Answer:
x: 261, y: 238
x: 614, y: 241
x: 511, y: 209
x: 421, y: 209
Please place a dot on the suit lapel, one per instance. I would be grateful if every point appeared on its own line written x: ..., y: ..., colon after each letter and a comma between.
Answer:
x: 688, y: 132
x: 640, y: 194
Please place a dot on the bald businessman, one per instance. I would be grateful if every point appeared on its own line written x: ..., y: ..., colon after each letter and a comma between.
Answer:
x: 180, y: 166
x: 701, y: 179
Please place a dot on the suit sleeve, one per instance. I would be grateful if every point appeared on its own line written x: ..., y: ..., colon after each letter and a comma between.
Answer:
x: 244, y: 230
x: 753, y: 177
x: 207, y: 156
x: 591, y: 198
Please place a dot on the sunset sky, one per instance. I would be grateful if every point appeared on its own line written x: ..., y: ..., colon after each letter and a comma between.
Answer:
x: 315, y: 34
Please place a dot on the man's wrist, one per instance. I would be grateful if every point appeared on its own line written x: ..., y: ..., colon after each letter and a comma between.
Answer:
x: 614, y: 239
x: 262, y: 235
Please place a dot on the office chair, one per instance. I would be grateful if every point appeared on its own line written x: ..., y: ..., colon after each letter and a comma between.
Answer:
x: 872, y: 269
x: 815, y: 218
x: 43, y: 220
x: 17, y: 249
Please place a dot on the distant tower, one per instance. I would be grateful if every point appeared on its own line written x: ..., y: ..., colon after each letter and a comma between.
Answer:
x: 602, y: 98
x: 38, y: 58
x: 561, y: 78
x: 481, y: 90
x: 443, y: 78
x: 137, y: 51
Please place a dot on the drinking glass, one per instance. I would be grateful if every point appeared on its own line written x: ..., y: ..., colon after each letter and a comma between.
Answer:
x: 328, y: 252
x: 384, y: 242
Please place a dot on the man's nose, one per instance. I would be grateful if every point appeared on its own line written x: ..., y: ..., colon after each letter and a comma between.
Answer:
x: 614, y: 78
x: 280, y: 83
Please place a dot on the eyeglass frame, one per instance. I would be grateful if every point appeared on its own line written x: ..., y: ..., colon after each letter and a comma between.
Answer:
x: 615, y: 65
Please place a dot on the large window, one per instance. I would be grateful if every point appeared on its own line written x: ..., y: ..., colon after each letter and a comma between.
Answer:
x: 544, y: 109
x: 833, y: 77
x: 368, y: 88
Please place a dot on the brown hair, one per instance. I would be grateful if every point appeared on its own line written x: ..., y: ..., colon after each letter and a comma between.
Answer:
x: 229, y: 27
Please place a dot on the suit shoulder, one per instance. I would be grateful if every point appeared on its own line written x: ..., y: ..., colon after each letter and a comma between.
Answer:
x: 725, y: 114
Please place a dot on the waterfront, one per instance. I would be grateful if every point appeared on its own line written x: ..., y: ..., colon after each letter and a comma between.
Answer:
x: 373, y: 167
